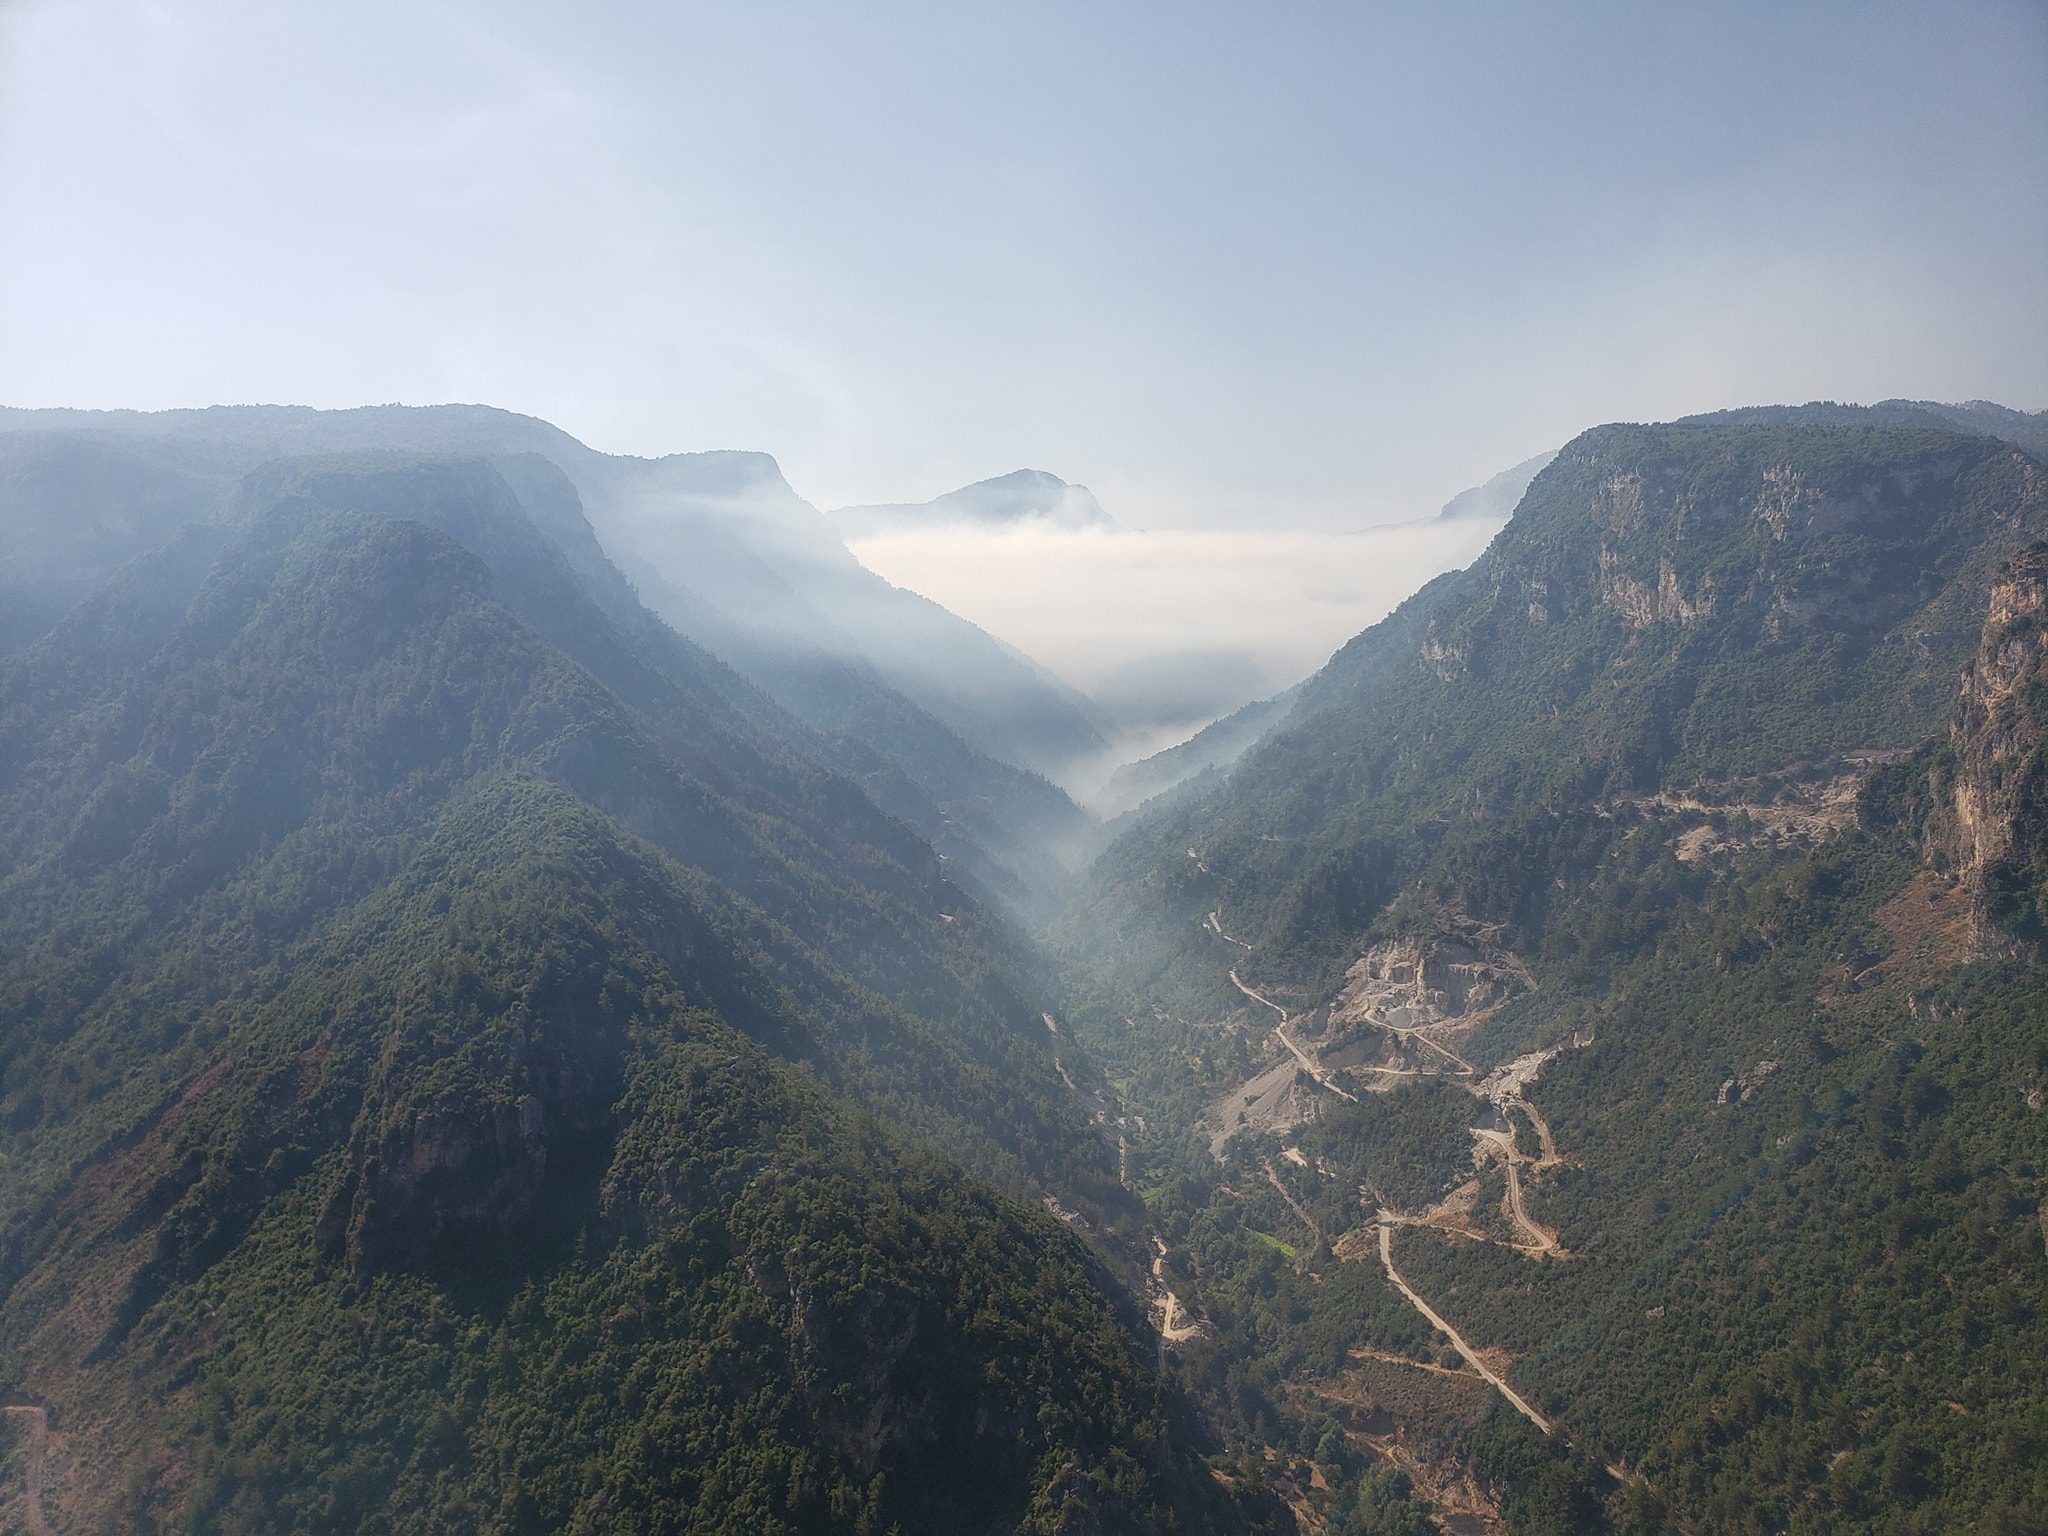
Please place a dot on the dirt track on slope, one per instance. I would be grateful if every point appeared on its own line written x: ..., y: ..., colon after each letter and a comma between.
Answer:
x: 1170, y: 1331
x: 1308, y: 1062
x: 1057, y: 1065
x: 1538, y: 1236
x: 1537, y: 1239
x: 32, y: 1490
x: 1466, y: 1351
x: 1504, y: 1088
x: 1293, y: 1204
x: 1257, y: 997
x: 1215, y: 922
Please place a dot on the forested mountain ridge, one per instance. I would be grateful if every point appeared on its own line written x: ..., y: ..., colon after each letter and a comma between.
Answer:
x: 933, y: 714
x: 1009, y: 835
x: 650, y: 1278
x: 1623, y: 955
x: 341, y: 669
x: 734, y: 537
x: 393, y: 945
x: 1498, y: 496
x: 723, y: 527
x: 2026, y: 430
x: 1669, y: 604
x: 1210, y: 750
x: 470, y: 1058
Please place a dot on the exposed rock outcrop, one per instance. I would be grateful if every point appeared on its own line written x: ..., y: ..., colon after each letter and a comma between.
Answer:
x: 1742, y: 1088
x: 1991, y: 794
x: 1446, y: 661
x: 1640, y: 606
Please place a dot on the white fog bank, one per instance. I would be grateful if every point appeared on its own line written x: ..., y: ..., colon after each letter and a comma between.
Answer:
x: 1167, y: 631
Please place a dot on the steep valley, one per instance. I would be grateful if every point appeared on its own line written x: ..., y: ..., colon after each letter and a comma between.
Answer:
x: 1023, y: 769
x: 471, y: 1064
x: 480, y: 1051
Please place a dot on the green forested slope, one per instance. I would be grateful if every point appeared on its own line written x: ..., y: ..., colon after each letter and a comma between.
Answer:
x: 2027, y: 430
x: 477, y: 1221
x: 1687, y: 745
x: 1669, y: 605
x: 470, y: 1060
x: 1819, y: 1303
x: 410, y: 978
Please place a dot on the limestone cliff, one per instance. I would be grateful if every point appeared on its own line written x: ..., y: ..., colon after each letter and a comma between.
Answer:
x: 1991, y: 812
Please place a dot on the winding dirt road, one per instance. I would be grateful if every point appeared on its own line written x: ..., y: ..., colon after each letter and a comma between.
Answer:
x: 1538, y: 1236
x: 1388, y: 1357
x: 1215, y: 922
x: 1170, y: 1331
x: 1464, y: 1067
x: 1466, y: 1351
x: 1237, y: 981
x: 32, y: 1492
x: 1540, y: 1239
x: 1504, y: 1088
x: 1053, y: 1028
x: 1545, y: 1142
x: 1469, y: 1234
x: 1308, y: 1062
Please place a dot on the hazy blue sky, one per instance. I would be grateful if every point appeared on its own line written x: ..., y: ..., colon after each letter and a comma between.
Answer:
x: 1310, y: 265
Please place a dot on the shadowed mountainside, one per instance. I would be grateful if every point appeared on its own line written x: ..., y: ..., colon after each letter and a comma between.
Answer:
x: 394, y: 945
x: 926, y: 711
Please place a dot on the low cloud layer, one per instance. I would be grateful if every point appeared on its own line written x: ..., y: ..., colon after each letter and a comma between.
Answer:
x: 1169, y: 630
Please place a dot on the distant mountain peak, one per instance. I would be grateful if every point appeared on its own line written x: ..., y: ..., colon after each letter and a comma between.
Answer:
x: 1021, y: 479
x: 1498, y: 496
x: 1021, y: 496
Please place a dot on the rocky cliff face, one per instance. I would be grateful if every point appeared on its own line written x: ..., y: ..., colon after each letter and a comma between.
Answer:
x: 1991, y: 823
x: 1801, y: 573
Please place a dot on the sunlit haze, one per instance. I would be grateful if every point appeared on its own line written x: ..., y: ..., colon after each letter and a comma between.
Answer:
x: 1027, y: 769
x: 1236, y: 266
